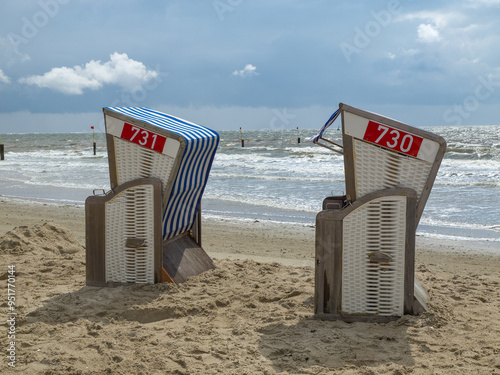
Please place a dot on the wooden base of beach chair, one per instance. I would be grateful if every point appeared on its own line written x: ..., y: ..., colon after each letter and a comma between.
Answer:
x: 184, y: 257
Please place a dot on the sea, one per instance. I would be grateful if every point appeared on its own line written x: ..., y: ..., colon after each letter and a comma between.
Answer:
x: 273, y: 178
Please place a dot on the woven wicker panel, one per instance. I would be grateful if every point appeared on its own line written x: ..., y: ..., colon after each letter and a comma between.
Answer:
x: 130, y: 215
x: 370, y: 287
x: 377, y: 168
x: 134, y: 161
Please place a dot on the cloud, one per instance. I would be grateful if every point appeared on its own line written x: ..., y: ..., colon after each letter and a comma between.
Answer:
x: 427, y: 33
x: 248, y: 71
x: 3, y: 77
x: 440, y: 19
x: 66, y: 80
x: 478, y: 3
x: 119, y: 70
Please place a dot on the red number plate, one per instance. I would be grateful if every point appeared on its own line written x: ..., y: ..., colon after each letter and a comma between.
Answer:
x: 143, y: 137
x: 394, y: 139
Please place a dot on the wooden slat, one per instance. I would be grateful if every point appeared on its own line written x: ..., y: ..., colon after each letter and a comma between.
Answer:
x: 350, y: 175
x: 113, y: 175
x: 409, y: 275
x: 183, y: 257
x: 328, y: 274
x: 95, y: 242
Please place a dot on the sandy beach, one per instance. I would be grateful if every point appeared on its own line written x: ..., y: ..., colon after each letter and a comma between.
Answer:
x: 251, y: 315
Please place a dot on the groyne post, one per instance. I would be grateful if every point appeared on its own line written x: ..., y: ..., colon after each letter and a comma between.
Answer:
x: 93, y: 140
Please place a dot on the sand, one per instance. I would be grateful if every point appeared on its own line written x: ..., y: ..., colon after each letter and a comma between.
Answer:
x: 251, y: 315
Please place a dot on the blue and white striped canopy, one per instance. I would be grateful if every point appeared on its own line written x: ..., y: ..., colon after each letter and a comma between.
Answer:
x: 315, y: 138
x: 201, y: 145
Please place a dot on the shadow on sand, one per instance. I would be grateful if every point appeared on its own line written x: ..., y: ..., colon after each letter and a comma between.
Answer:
x: 335, y: 345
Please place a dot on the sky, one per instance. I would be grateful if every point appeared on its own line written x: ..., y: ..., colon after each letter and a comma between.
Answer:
x: 274, y: 64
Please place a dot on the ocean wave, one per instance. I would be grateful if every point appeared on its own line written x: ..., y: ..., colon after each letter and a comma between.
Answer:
x: 226, y: 175
x: 457, y: 238
x: 434, y: 222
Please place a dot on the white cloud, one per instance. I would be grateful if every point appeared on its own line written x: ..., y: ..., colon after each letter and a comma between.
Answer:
x: 3, y: 77
x: 427, y: 33
x: 248, y: 71
x: 478, y: 3
x: 66, y: 80
x: 119, y: 70
x: 440, y: 19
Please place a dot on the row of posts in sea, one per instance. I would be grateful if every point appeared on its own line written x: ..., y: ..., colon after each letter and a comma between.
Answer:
x: 2, y: 146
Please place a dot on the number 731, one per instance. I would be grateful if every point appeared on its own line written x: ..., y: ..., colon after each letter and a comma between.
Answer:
x: 143, y: 137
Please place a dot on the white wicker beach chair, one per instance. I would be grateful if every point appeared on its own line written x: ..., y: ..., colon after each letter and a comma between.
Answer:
x: 365, y: 240
x: 143, y: 143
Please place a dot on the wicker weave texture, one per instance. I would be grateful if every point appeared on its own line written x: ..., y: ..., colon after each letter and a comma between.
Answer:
x: 130, y: 215
x: 377, y: 168
x: 374, y: 287
x: 134, y: 161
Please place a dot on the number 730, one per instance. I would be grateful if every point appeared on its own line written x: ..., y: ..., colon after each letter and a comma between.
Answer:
x: 395, y: 139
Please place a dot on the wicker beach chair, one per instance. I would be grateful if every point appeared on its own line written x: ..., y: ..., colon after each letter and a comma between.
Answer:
x: 150, y: 148
x: 365, y: 239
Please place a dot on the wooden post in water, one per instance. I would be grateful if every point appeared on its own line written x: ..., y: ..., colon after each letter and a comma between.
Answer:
x: 2, y: 152
x: 93, y: 140
x: 242, y: 140
x: 298, y: 137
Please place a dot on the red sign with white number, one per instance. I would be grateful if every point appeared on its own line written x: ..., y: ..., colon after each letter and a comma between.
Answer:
x: 143, y: 137
x: 394, y: 139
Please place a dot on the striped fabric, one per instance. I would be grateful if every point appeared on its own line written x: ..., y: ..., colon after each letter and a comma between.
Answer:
x: 201, y: 145
x: 315, y: 138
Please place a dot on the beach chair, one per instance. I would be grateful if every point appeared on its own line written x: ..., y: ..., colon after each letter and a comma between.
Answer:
x: 168, y: 152
x: 365, y: 239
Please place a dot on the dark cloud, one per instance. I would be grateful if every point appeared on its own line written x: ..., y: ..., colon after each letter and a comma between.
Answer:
x: 252, y: 54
